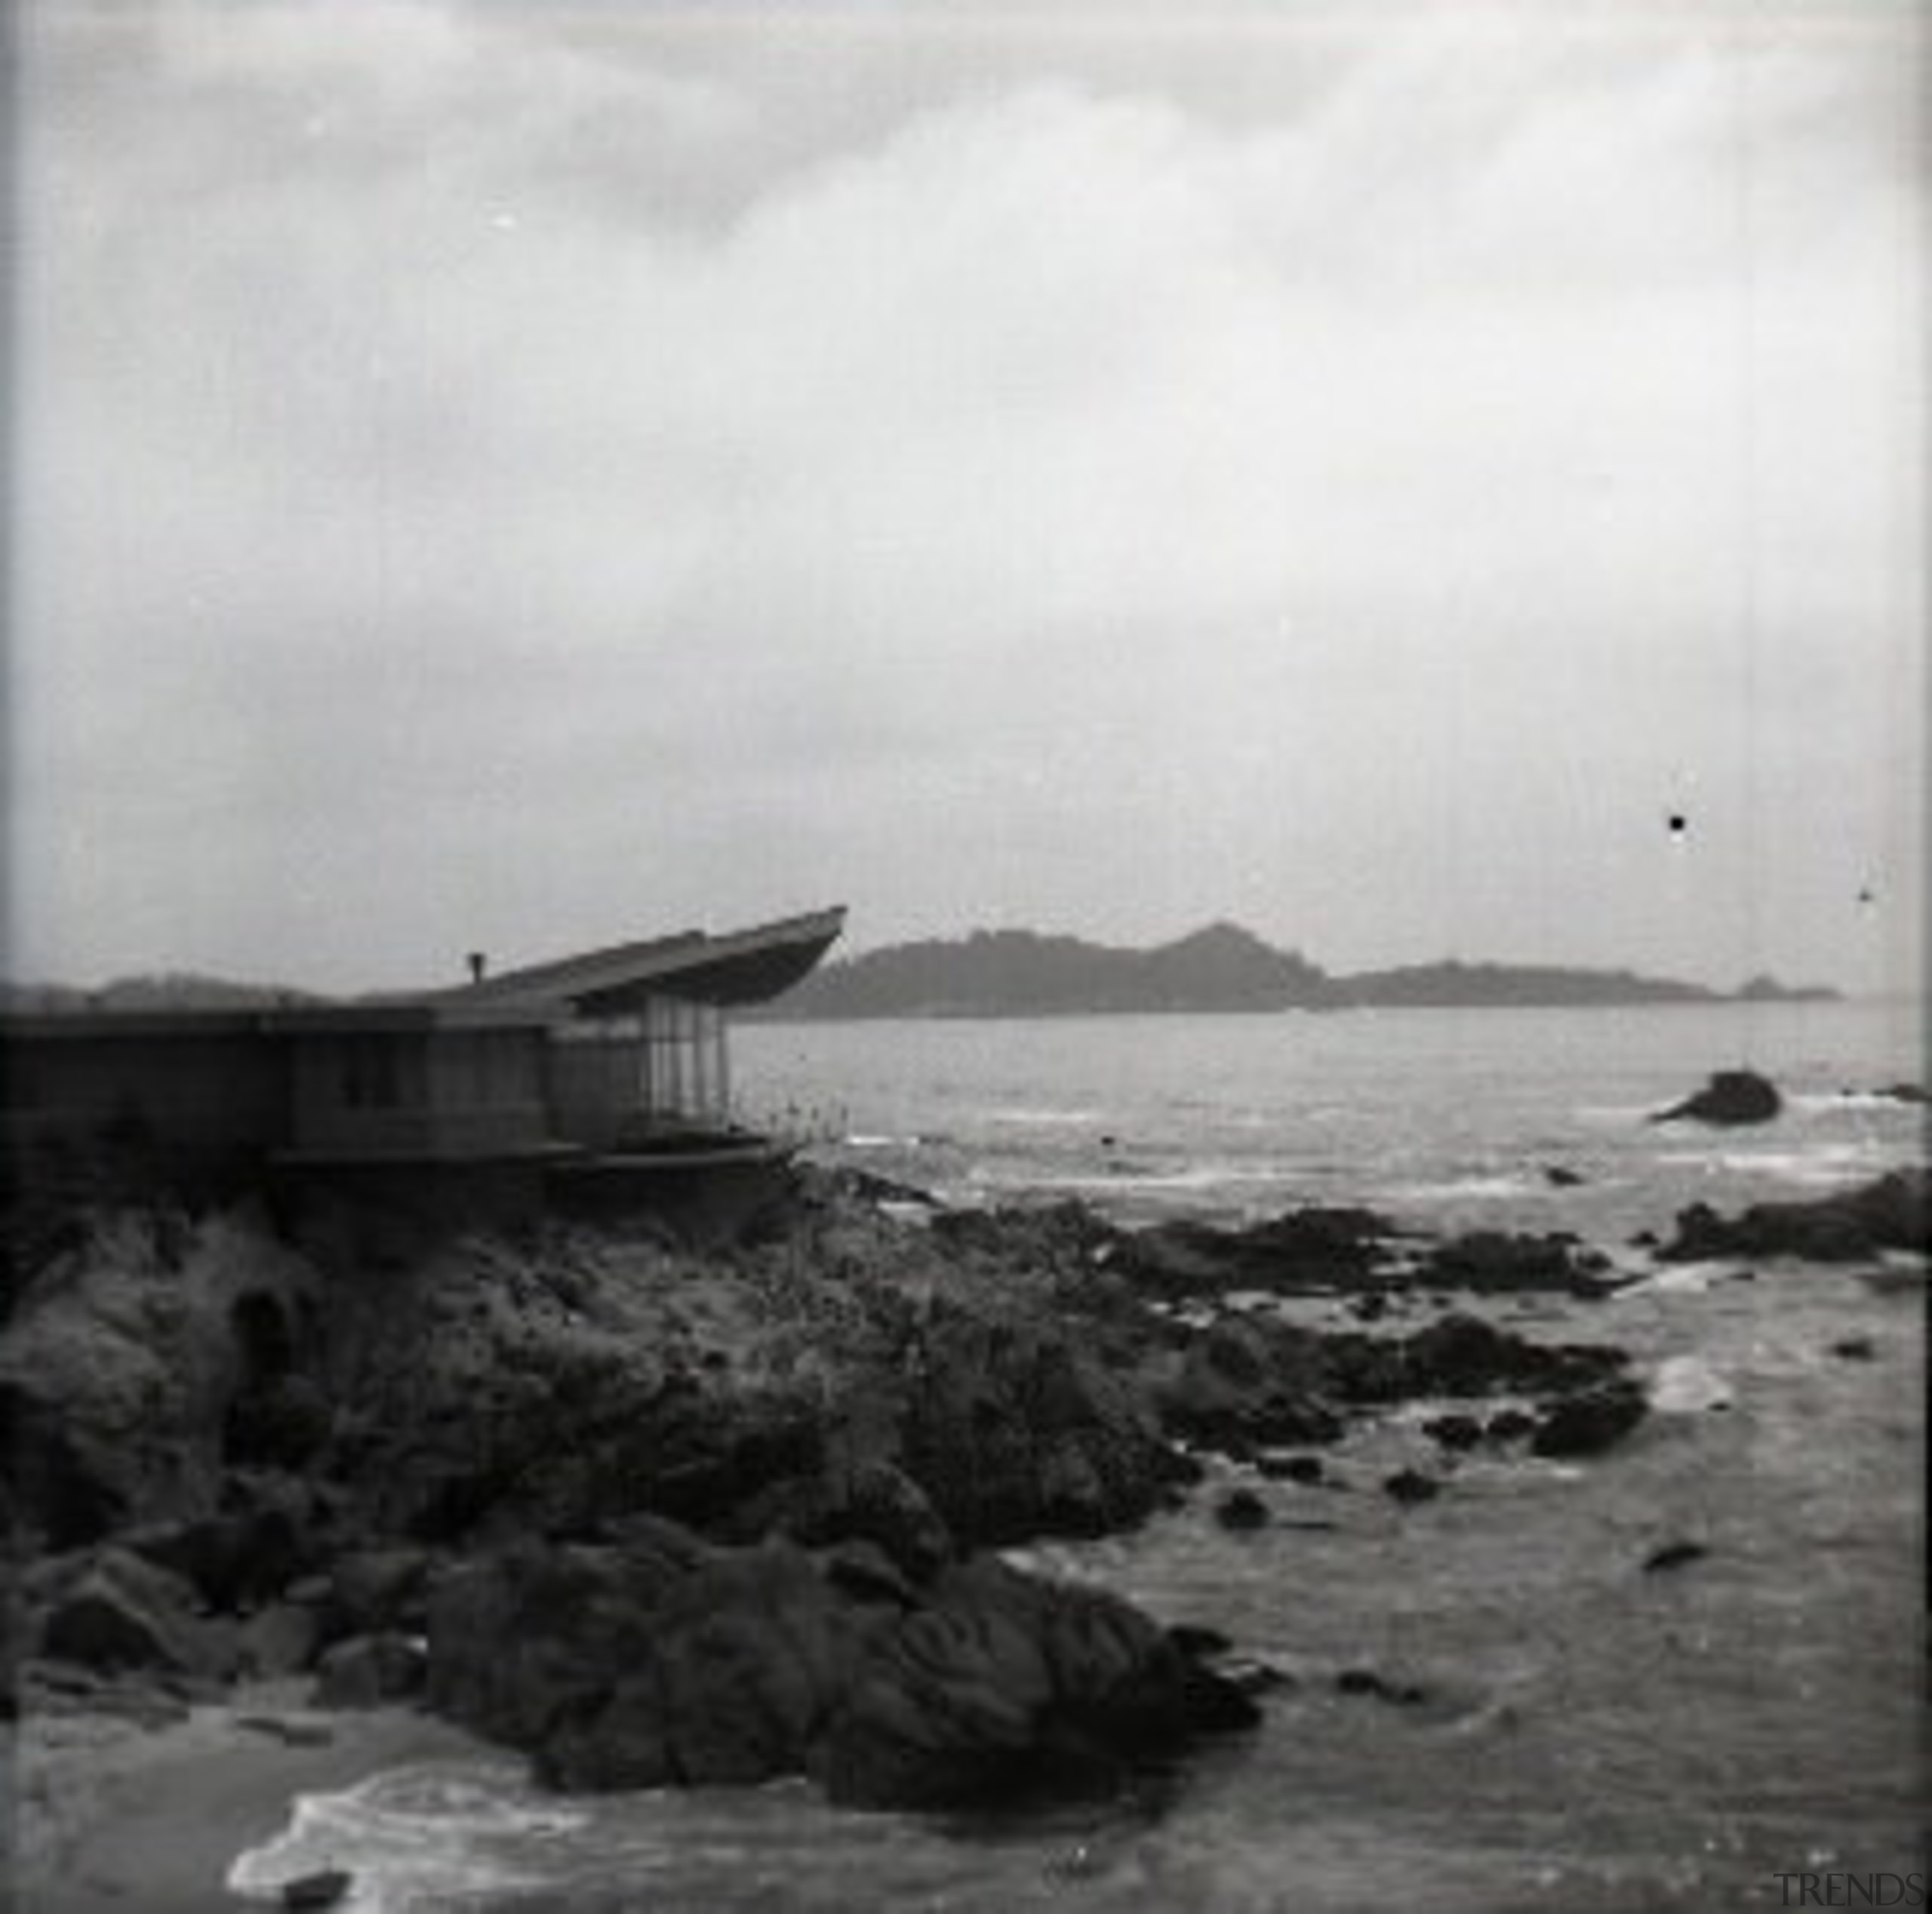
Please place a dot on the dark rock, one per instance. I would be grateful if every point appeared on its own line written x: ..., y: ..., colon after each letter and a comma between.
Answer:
x: 1906, y: 1093
x: 1855, y: 1348
x: 1460, y: 1355
x: 1202, y: 1644
x: 854, y: 1499
x: 1241, y: 1508
x: 378, y: 1590
x: 1851, y: 1227
x: 1560, y: 1176
x: 1730, y: 1097
x: 369, y: 1670
x: 1490, y: 1262
x: 1410, y: 1485
x: 117, y: 1368
x: 1366, y: 1681
x: 1303, y: 1469
x: 1588, y: 1423
x: 1455, y: 1432
x: 247, y: 1554
x: 1674, y: 1555
x: 1013, y: 1430
x: 1509, y: 1425
x: 280, y: 1639
x: 663, y: 1662
x: 122, y: 1613
x: 1003, y: 1687
x: 279, y: 1422
x: 324, y: 1889
x: 1314, y: 1250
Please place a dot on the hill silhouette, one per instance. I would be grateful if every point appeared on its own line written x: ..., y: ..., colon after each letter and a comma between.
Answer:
x: 1221, y: 967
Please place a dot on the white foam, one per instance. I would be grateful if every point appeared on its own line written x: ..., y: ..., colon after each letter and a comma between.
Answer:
x: 1483, y: 1187
x: 1683, y: 1278
x: 1684, y: 1385
x: 408, y: 1837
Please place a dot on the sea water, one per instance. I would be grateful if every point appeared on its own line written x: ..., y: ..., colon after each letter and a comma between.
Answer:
x: 1591, y: 1735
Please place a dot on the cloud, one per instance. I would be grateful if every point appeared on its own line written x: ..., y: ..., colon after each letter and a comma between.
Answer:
x: 485, y: 476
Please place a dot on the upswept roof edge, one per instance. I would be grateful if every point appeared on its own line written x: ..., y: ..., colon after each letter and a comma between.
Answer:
x: 745, y: 966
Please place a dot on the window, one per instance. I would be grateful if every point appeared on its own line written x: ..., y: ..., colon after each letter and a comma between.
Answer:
x: 370, y: 1079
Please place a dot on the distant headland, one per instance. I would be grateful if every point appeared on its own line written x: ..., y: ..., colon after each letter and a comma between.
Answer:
x: 1025, y: 973
x: 1221, y: 968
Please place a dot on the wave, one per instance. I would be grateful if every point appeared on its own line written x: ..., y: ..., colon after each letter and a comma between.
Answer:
x: 1820, y: 1165
x: 1685, y: 1385
x: 411, y: 1837
x: 1487, y: 1185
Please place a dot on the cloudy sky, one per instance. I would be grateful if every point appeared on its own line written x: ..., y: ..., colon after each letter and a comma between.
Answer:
x: 517, y: 475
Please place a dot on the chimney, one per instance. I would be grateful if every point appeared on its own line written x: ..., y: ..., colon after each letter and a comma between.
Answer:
x: 478, y: 964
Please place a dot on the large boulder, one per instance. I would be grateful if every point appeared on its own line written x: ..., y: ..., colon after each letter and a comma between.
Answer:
x: 1730, y: 1097
x: 655, y: 1659
x: 1851, y: 1226
x: 118, y: 1614
x: 1000, y: 1686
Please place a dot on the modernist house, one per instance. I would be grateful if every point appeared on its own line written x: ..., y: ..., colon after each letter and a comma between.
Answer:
x: 611, y: 1060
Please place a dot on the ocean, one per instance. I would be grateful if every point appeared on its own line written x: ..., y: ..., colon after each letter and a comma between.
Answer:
x: 1589, y: 1736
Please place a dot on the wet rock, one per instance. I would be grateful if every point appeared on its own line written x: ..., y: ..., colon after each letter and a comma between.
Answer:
x: 1489, y: 1261
x: 1004, y: 1687
x: 1456, y: 1432
x: 1590, y: 1422
x: 665, y: 1662
x: 369, y: 1670
x: 1410, y: 1486
x: 1460, y: 1355
x: 1730, y: 1097
x: 1367, y: 1682
x: 280, y: 1639
x: 1855, y: 1348
x: 1314, y: 1250
x: 376, y: 1591
x: 1241, y: 1510
x: 1674, y: 1555
x: 1303, y: 1469
x: 1853, y: 1225
x: 1510, y: 1425
x: 324, y: 1889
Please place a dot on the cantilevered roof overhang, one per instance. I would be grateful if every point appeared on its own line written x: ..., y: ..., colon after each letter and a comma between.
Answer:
x: 742, y: 967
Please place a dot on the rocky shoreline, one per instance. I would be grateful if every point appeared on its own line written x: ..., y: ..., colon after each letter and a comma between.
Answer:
x: 660, y: 1517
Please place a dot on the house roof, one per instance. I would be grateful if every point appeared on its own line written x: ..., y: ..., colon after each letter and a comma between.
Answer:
x: 741, y: 967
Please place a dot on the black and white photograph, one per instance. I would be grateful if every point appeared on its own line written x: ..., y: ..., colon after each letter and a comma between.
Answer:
x: 964, y: 956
